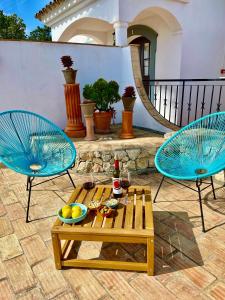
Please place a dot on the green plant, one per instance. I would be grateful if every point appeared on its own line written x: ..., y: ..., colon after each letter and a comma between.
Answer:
x: 103, y: 93
x: 67, y: 61
x: 88, y: 91
x: 129, y: 92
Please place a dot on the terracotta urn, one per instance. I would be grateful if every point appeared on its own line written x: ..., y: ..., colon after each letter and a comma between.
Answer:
x: 128, y: 103
x: 70, y: 75
x: 88, y: 108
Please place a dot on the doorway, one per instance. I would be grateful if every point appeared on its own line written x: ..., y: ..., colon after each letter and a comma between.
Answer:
x: 145, y: 59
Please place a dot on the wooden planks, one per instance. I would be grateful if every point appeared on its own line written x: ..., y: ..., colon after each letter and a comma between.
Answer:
x: 139, y: 210
x: 128, y: 224
x: 148, y: 210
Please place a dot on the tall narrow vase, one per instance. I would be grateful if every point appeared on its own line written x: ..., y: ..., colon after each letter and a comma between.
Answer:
x: 74, y: 127
x: 127, y: 125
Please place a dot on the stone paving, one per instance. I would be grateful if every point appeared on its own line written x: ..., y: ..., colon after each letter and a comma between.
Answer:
x: 188, y: 263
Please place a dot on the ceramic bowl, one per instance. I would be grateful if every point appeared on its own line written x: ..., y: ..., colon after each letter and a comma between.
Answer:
x: 73, y: 220
x: 112, y: 203
x: 105, y: 214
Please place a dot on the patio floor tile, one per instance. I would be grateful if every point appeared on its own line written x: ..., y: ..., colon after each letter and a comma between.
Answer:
x: 30, y: 246
x: 147, y: 287
x: 9, y: 247
x: 217, y: 292
x: 189, y: 264
x: 84, y: 284
x: 6, y: 292
x: 20, y: 274
x: 51, y: 280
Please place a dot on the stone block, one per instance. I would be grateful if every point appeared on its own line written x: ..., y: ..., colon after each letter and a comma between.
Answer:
x: 97, y: 154
x: 98, y: 161
x: 97, y: 168
x: 107, y: 167
x: 142, y: 163
x: 121, y: 154
x: 130, y: 165
x: 106, y: 157
x: 133, y: 153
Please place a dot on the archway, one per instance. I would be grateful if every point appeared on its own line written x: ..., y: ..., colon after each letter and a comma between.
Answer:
x: 146, y: 38
x: 85, y: 39
x: 100, y: 31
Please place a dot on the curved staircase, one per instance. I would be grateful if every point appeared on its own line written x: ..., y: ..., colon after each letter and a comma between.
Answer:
x: 175, y: 103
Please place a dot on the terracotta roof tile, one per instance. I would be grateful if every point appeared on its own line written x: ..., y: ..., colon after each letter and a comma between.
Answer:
x: 52, y: 5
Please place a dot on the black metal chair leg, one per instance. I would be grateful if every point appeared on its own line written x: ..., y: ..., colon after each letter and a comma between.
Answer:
x: 68, y: 173
x: 29, y: 184
x: 198, y: 184
x: 213, y: 189
x: 158, y: 189
x: 27, y: 188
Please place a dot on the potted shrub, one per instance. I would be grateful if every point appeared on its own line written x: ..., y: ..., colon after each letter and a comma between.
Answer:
x: 88, y: 105
x: 69, y: 73
x: 129, y: 98
x: 104, y: 94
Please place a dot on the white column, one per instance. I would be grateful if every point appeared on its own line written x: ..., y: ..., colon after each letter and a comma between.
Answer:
x: 121, y: 33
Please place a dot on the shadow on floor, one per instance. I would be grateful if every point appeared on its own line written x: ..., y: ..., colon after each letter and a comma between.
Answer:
x: 175, y: 246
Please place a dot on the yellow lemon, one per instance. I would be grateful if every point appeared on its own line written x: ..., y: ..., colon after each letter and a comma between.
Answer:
x: 67, y: 212
x: 66, y: 207
x: 76, y: 212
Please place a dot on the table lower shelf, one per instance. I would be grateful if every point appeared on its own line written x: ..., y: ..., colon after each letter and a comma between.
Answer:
x: 105, y: 264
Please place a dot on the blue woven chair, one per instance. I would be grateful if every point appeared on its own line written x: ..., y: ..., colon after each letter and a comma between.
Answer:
x: 34, y: 146
x: 194, y: 153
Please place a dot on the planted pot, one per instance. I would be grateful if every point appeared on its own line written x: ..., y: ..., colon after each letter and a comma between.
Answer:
x: 88, y: 108
x: 70, y: 75
x: 128, y: 103
x: 102, y: 120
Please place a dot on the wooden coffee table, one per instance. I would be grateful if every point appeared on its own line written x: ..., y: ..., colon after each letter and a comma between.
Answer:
x: 131, y: 222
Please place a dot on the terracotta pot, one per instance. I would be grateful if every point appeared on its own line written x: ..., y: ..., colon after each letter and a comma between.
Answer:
x: 88, y: 109
x: 70, y: 75
x: 102, y: 121
x: 128, y: 103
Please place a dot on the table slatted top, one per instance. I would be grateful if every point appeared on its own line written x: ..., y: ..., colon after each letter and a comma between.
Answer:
x: 135, y: 214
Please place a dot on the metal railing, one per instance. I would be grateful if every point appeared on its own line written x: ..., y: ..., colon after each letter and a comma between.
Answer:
x: 182, y: 101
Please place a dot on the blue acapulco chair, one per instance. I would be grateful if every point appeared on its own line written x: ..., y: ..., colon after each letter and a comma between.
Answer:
x: 34, y: 146
x: 194, y: 153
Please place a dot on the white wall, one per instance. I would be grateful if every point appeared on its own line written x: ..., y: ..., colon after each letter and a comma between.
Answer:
x: 203, y: 39
x: 31, y: 77
x: 191, y: 33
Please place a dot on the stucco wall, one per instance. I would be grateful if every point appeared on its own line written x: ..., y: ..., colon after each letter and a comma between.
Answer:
x: 31, y: 78
x: 191, y: 33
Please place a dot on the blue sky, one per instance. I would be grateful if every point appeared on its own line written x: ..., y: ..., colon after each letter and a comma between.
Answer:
x: 26, y: 9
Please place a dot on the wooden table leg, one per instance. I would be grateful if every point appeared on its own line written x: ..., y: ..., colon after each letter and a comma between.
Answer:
x: 150, y: 256
x: 57, y: 251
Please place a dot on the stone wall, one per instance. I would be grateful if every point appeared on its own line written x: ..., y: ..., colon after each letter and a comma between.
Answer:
x: 102, y: 161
